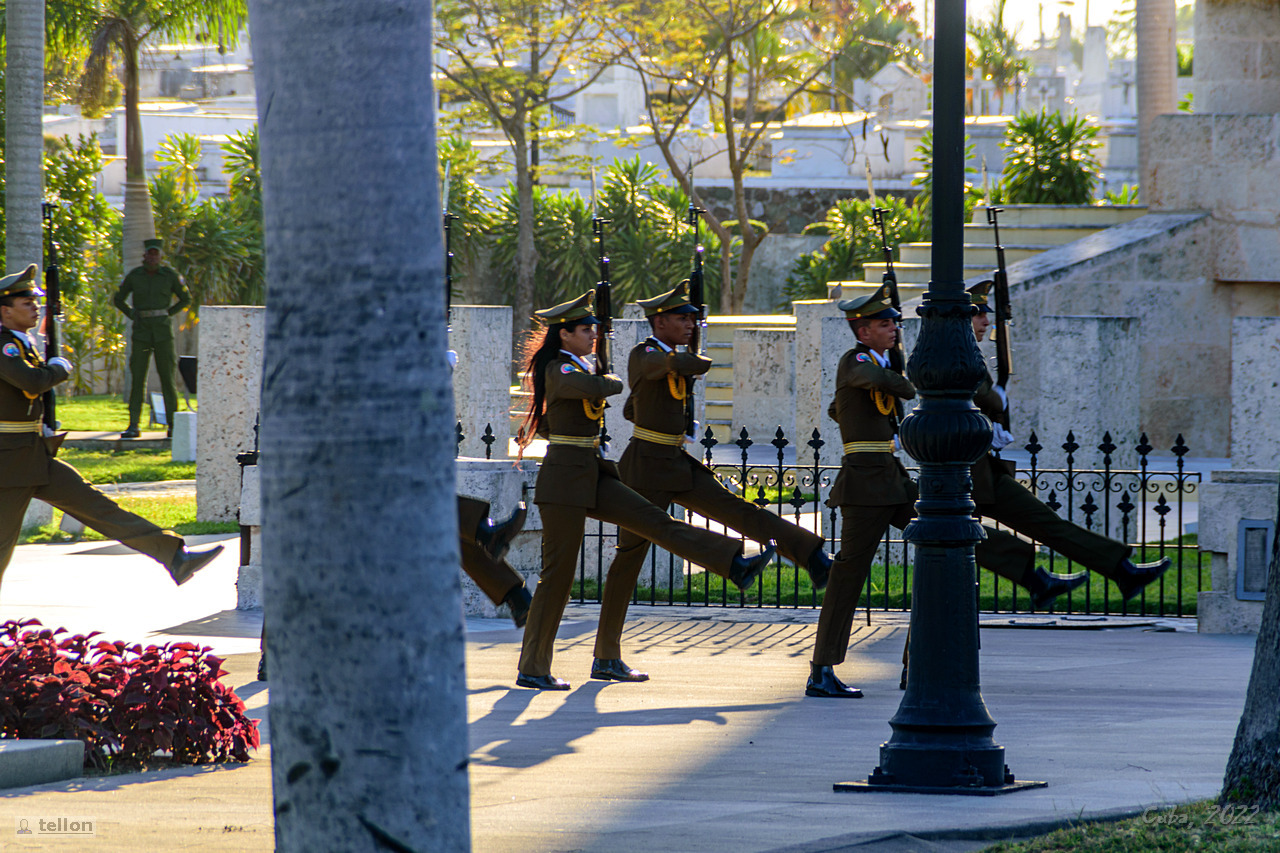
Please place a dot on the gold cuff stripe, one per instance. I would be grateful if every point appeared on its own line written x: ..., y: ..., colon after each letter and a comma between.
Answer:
x: 575, y: 440
x: 868, y: 447
x: 658, y: 437
x: 21, y: 426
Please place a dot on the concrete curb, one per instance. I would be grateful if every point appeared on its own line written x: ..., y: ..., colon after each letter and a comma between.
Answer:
x: 35, y: 762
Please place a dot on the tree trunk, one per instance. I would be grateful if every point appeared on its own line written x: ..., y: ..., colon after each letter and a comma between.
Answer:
x: 1157, y: 73
x: 24, y: 139
x: 368, y: 716
x: 526, y: 251
x: 1253, y: 771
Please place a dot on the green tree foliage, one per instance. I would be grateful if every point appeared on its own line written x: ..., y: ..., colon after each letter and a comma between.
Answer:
x: 877, y: 33
x: 1050, y: 160
x: 924, y: 180
x: 994, y: 48
x: 82, y: 219
x: 854, y: 242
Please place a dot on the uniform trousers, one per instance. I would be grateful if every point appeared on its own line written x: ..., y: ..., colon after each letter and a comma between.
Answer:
x: 710, y: 499
x: 495, y: 578
x: 145, y: 344
x: 562, y: 530
x: 71, y: 493
x: 861, y: 530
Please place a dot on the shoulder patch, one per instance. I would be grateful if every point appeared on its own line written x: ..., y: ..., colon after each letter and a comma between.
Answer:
x: 863, y: 356
x: 650, y: 348
x: 567, y: 368
x: 12, y: 350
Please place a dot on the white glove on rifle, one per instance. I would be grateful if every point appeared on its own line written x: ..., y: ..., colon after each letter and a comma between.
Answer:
x: 61, y: 362
x: 1000, y: 437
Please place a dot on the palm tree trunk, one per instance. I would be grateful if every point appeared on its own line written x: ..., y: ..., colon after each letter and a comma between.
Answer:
x: 526, y: 251
x: 1157, y: 69
x: 368, y: 717
x: 24, y: 141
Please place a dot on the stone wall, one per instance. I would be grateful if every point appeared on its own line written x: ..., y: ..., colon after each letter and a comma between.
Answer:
x: 481, y: 335
x: 764, y: 383
x: 230, y: 382
x: 1255, y: 392
x: 1230, y: 497
x: 1237, y: 67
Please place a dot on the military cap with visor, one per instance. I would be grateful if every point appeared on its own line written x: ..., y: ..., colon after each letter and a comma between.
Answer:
x: 153, y: 243
x: 574, y: 311
x: 21, y: 283
x: 980, y: 296
x: 875, y: 306
x: 674, y: 301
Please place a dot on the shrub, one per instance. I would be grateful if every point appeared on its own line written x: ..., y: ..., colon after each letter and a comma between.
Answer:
x: 1050, y: 160
x: 126, y: 702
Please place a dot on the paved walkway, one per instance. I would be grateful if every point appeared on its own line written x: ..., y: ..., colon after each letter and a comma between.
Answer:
x: 719, y: 752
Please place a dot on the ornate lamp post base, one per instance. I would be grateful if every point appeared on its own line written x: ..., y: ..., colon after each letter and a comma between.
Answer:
x: 964, y: 791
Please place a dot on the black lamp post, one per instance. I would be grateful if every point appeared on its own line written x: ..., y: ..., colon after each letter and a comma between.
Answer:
x: 942, y: 734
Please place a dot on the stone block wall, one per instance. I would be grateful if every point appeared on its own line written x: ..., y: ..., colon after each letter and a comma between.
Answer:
x: 481, y: 335
x: 230, y: 382
x: 1255, y: 392
x: 822, y: 337
x: 1230, y: 497
x: 1237, y: 66
x: 764, y: 383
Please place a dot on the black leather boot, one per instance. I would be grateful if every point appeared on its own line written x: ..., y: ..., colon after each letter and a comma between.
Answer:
x: 823, y: 682
x: 819, y: 568
x: 1135, y: 576
x: 1045, y: 586
x: 743, y: 571
x: 495, y: 537
x: 519, y: 599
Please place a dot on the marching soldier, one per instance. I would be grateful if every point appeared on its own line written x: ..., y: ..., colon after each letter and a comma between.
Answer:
x: 576, y: 481
x: 154, y: 289
x: 1001, y: 497
x: 28, y: 468
x: 873, y: 490
x: 657, y: 467
x: 484, y: 543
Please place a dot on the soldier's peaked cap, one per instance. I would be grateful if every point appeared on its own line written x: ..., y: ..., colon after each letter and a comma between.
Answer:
x: 980, y: 295
x: 21, y: 283
x: 574, y: 311
x: 674, y: 301
x: 875, y: 306
x: 153, y: 243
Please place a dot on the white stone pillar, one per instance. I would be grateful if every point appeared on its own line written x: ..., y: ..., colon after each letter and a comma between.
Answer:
x: 1237, y: 57
x: 183, y: 447
x: 764, y: 384
x: 1255, y: 378
x: 1229, y: 498
x: 230, y: 382
x: 481, y: 336
x: 822, y: 336
x: 1089, y: 387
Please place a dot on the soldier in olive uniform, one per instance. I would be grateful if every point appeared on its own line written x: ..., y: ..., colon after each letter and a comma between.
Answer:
x: 656, y: 465
x: 576, y: 481
x: 154, y: 289
x: 28, y: 468
x: 1001, y: 497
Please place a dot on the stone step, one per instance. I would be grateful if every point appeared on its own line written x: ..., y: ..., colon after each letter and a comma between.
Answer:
x: 916, y: 273
x: 1097, y: 215
x: 35, y: 762
x: 974, y: 253
x: 1026, y: 235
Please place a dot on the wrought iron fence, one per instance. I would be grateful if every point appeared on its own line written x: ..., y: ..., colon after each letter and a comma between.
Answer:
x: 1144, y: 504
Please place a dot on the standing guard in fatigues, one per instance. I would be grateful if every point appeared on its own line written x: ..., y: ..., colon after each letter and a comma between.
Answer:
x: 576, y: 481
x: 28, y: 468
x: 1001, y: 497
x: 154, y: 288
x: 656, y: 465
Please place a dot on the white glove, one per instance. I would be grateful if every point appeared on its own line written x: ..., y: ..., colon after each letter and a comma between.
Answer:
x: 452, y: 357
x: 1004, y: 397
x: 1000, y: 437
x: 61, y: 362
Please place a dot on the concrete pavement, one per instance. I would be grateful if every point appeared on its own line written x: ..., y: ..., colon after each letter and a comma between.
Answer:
x: 719, y: 752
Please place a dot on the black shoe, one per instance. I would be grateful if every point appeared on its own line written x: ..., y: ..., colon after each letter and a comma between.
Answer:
x: 187, y: 562
x: 495, y: 539
x: 1045, y: 587
x: 614, y: 669
x: 1135, y: 576
x: 823, y: 682
x: 262, y: 667
x: 131, y: 432
x: 744, y: 571
x: 519, y: 600
x: 819, y: 568
x: 541, y: 682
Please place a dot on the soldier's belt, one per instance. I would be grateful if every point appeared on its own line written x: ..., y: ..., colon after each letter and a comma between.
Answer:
x: 575, y: 440
x: 158, y: 312
x: 658, y: 437
x: 868, y: 447
x: 21, y: 426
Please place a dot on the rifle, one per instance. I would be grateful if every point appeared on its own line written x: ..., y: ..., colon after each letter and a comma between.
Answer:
x: 697, y: 298
x: 1003, y: 312
x: 53, y: 310
x: 604, y: 316
x: 448, y: 250
x: 897, y: 359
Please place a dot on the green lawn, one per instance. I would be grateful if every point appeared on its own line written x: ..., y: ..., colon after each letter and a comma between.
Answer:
x: 784, y: 586
x: 172, y: 513
x: 126, y: 466
x: 101, y: 412
x: 1199, y: 826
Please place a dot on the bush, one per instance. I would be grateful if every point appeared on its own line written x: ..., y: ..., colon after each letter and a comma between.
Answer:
x: 855, y: 241
x: 1050, y: 160
x: 127, y: 703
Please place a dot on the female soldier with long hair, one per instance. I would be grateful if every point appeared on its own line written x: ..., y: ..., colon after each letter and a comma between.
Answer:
x: 576, y: 481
